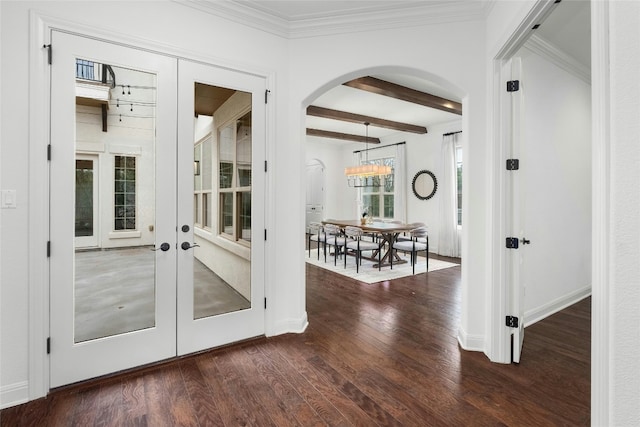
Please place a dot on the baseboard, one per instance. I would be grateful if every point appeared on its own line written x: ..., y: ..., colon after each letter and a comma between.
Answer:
x: 546, y: 310
x: 14, y: 394
x: 470, y: 342
x: 289, y: 326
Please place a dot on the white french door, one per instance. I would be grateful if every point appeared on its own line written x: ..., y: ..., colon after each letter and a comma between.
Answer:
x: 159, y: 283
x: 219, y: 192
x: 512, y: 101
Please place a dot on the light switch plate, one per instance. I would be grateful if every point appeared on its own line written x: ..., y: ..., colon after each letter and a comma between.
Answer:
x: 9, y: 199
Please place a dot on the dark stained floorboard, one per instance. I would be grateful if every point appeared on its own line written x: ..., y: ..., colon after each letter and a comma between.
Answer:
x: 379, y: 354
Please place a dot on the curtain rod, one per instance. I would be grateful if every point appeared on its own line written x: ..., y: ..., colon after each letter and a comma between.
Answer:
x: 384, y: 146
x: 451, y: 133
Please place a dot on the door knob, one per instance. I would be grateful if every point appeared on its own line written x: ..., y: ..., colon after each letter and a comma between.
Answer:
x: 163, y: 247
x: 187, y: 245
x: 525, y: 241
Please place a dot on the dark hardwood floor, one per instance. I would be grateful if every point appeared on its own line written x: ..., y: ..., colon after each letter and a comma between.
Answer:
x: 381, y: 354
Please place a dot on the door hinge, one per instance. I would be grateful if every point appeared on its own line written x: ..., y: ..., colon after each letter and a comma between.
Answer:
x: 49, y: 152
x: 513, y: 164
x: 513, y: 85
x: 265, y: 165
x: 265, y: 303
x: 49, y: 249
x: 49, y: 54
x: 512, y: 243
x: 265, y: 234
x: 266, y: 95
x: 48, y: 345
x: 512, y: 321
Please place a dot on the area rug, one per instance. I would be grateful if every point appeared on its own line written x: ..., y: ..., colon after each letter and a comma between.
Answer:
x: 369, y: 274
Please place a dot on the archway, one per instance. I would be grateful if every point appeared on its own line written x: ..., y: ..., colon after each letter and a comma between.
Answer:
x: 340, y: 153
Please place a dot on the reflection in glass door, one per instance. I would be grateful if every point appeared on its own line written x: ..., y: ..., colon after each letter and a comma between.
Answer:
x: 114, y: 290
x: 86, y: 201
x: 216, y: 288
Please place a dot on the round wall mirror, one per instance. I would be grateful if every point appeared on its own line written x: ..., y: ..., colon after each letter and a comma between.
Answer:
x: 424, y: 185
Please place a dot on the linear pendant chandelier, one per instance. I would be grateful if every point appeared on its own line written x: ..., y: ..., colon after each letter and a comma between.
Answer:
x: 366, y: 175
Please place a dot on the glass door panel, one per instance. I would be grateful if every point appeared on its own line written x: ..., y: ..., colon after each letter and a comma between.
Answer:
x: 218, y: 289
x: 112, y: 297
x: 222, y: 300
x: 114, y: 286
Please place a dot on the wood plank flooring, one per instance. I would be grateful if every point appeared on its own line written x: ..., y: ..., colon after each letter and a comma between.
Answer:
x: 381, y: 354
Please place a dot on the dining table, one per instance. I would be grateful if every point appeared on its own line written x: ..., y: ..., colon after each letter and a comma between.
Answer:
x: 389, y: 232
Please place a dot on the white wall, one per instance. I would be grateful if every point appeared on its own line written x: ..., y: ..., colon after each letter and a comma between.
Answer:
x: 622, y: 290
x: 555, y: 167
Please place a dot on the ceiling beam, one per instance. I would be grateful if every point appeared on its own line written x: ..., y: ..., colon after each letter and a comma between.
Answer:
x: 344, y: 136
x: 381, y: 87
x: 344, y: 116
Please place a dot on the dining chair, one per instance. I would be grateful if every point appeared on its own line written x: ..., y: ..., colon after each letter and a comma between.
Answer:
x: 316, y: 234
x: 419, y: 242
x: 406, y: 238
x: 335, y: 238
x: 355, y: 243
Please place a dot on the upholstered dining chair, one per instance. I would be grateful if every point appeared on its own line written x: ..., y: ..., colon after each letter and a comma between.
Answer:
x: 335, y: 238
x: 316, y: 234
x: 405, y: 237
x: 419, y: 242
x: 358, y: 245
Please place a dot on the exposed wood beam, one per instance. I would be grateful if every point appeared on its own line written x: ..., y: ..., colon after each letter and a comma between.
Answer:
x: 344, y: 136
x: 381, y: 87
x: 344, y: 116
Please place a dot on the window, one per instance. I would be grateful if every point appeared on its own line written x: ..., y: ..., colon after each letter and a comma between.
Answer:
x: 234, y: 179
x: 202, y: 182
x: 459, y: 182
x: 125, y: 193
x: 379, y: 200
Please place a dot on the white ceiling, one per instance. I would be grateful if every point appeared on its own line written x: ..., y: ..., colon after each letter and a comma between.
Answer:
x: 567, y: 28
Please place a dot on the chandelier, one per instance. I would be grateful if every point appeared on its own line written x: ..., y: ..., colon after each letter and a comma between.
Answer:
x: 367, y: 174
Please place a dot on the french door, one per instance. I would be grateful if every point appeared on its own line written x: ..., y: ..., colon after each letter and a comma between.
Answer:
x: 516, y: 265
x: 155, y: 280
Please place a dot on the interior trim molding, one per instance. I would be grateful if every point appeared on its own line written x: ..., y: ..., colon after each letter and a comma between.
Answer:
x: 602, y: 312
x: 542, y: 47
x: 470, y: 342
x: 553, y: 307
x: 288, y: 326
x: 377, y: 18
x: 14, y: 394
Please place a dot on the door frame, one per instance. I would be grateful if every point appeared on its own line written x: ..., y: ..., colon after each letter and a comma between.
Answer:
x: 497, y: 343
x: 40, y: 27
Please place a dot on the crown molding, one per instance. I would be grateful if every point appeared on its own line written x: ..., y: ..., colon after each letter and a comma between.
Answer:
x: 542, y: 47
x: 387, y: 17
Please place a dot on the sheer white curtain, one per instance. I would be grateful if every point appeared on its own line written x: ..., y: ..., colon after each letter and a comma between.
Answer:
x: 448, y: 239
x: 357, y: 160
x: 400, y: 184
